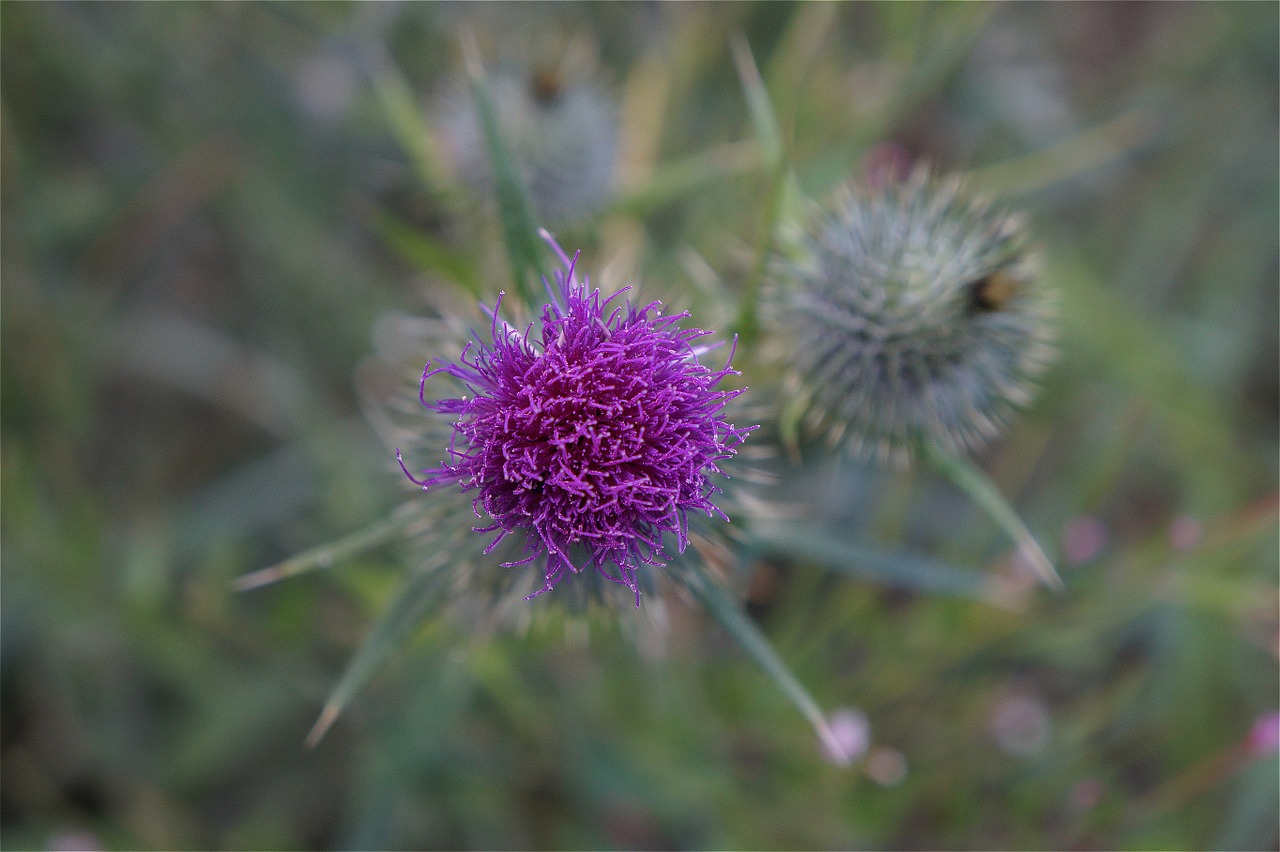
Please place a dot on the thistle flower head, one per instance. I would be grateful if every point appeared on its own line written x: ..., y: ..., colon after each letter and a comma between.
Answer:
x: 592, y: 436
x: 915, y: 316
x: 562, y: 132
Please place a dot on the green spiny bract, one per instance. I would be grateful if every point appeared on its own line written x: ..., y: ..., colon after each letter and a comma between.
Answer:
x: 914, y: 315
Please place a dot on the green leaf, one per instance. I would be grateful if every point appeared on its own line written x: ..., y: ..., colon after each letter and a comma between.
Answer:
x: 327, y: 555
x: 763, y: 118
x: 686, y: 176
x: 419, y: 591
x: 408, y: 124
x: 898, y: 568
x: 724, y: 609
x: 425, y: 252
x: 970, y: 479
x: 515, y: 210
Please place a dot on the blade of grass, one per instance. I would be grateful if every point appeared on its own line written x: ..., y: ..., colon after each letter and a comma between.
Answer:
x: 769, y: 137
x: 801, y: 45
x: 970, y: 479
x: 763, y: 119
x: 395, y: 622
x: 933, y: 65
x: 424, y: 252
x: 1076, y: 155
x: 515, y: 210
x: 675, y: 180
x: 724, y: 609
x: 408, y: 124
x: 644, y: 108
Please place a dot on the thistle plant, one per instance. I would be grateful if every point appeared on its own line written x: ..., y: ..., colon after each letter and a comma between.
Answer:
x: 916, y: 317
x: 584, y: 442
x: 592, y: 437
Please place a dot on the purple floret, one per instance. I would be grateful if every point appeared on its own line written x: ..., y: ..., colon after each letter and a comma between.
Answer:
x: 595, y: 436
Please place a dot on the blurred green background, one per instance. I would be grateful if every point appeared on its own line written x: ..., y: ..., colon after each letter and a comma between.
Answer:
x: 195, y: 250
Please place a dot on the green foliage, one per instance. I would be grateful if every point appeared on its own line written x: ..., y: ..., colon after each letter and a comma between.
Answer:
x: 205, y: 209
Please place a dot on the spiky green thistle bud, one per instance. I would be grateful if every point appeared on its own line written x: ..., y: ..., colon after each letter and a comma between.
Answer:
x: 913, y: 314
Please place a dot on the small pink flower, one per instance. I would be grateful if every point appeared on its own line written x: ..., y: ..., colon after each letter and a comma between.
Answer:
x: 1185, y: 532
x: 1264, y: 736
x: 852, y: 734
x: 1083, y: 539
x: 1020, y: 725
x: 1087, y: 794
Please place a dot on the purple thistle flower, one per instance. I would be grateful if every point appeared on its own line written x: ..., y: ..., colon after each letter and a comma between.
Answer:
x: 595, y: 436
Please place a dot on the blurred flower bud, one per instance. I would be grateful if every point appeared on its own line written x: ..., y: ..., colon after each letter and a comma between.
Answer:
x: 886, y: 766
x: 1083, y: 539
x: 914, y: 315
x: 1020, y: 725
